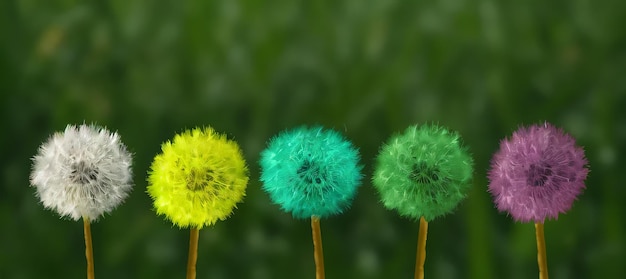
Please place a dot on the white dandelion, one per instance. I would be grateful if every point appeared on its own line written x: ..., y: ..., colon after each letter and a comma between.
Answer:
x: 83, y: 172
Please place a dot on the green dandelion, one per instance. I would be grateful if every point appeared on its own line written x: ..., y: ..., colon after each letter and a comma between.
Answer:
x: 423, y: 173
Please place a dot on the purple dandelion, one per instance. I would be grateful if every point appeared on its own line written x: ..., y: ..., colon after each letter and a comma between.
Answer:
x: 537, y: 173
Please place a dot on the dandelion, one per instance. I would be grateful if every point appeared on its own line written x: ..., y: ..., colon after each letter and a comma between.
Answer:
x: 311, y: 173
x: 423, y: 173
x: 83, y: 172
x: 537, y: 174
x: 197, y: 180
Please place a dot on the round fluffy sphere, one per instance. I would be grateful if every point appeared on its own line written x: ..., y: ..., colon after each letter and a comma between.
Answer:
x: 83, y: 172
x: 198, y: 178
x: 423, y: 172
x: 537, y: 173
x: 311, y: 172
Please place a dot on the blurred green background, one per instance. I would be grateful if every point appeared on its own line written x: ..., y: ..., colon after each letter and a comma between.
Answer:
x: 368, y: 68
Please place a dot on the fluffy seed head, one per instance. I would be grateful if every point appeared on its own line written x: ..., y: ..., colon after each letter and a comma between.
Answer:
x: 311, y: 172
x: 198, y: 178
x: 82, y: 172
x: 537, y: 173
x: 424, y: 171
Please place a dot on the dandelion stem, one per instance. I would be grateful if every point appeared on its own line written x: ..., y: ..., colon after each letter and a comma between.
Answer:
x: 317, y: 246
x: 421, y: 249
x: 88, y: 248
x: 193, y: 253
x: 541, y: 251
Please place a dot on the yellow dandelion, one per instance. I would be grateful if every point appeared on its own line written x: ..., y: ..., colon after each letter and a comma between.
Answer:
x: 197, y: 179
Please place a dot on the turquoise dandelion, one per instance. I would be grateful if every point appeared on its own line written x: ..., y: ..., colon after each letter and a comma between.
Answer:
x: 423, y: 173
x: 311, y: 173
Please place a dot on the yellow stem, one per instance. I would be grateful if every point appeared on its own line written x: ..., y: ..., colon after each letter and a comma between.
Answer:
x: 421, y: 249
x: 193, y: 253
x: 318, y: 251
x: 541, y: 251
x: 88, y: 248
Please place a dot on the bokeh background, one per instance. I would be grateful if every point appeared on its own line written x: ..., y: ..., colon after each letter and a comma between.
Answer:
x: 367, y: 68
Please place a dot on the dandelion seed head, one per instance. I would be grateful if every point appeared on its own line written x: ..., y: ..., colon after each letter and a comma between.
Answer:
x: 423, y: 172
x: 198, y: 178
x: 84, y: 171
x: 537, y: 173
x: 311, y: 172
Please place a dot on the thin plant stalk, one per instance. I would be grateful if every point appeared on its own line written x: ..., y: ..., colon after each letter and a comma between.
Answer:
x: 88, y: 248
x: 541, y: 251
x: 318, y: 251
x: 193, y: 253
x: 421, y: 249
